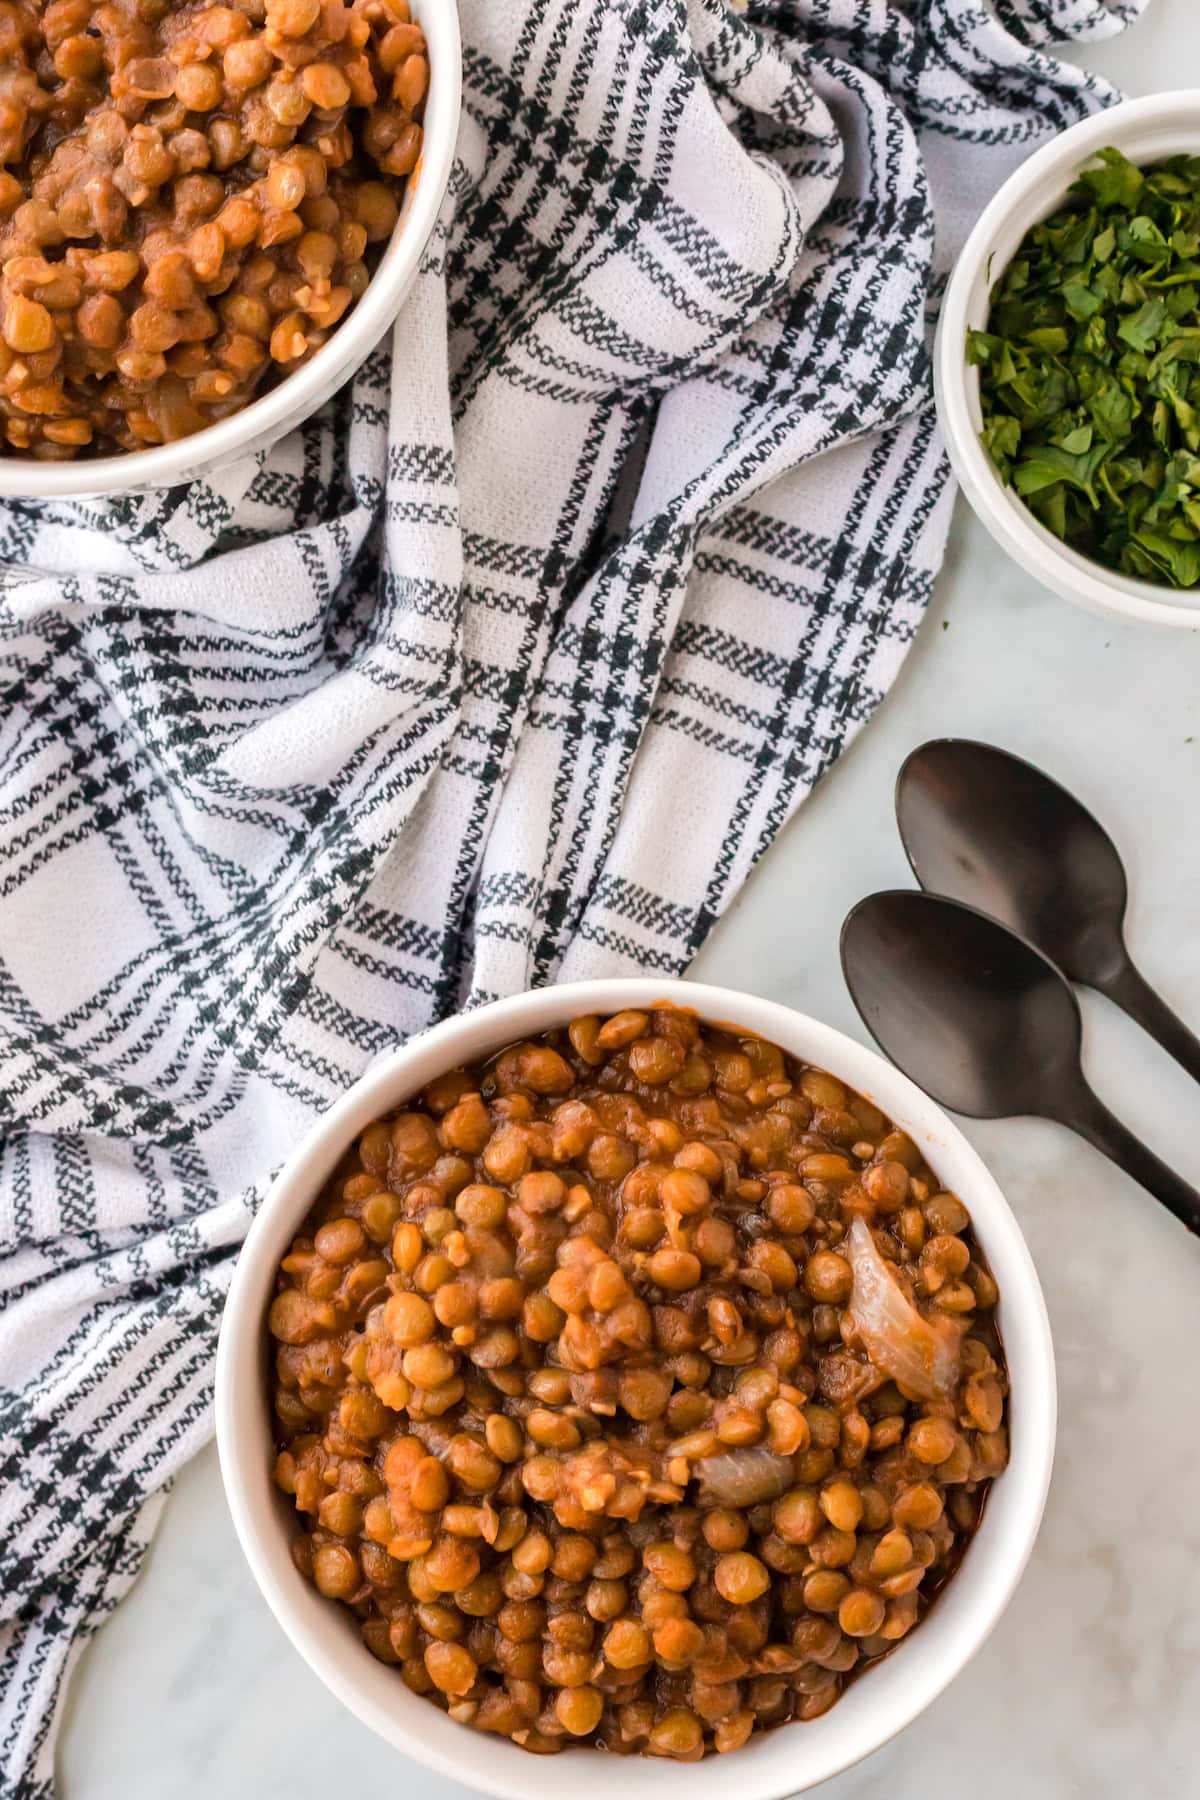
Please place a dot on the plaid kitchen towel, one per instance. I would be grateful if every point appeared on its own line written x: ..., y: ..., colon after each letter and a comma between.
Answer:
x: 506, y: 668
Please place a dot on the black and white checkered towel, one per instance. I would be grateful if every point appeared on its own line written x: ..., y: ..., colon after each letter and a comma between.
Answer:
x: 506, y: 668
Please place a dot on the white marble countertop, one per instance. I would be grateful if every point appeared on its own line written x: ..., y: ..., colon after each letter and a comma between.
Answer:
x: 1090, y: 1687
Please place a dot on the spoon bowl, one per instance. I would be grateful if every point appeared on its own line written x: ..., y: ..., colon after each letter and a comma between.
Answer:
x: 978, y: 1018
x: 985, y: 827
x: 991, y: 830
x: 985, y: 1024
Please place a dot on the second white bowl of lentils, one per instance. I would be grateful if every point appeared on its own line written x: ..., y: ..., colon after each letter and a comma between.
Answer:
x: 636, y: 1370
x: 209, y: 217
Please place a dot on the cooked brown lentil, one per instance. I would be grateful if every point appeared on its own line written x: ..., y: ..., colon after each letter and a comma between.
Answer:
x: 572, y: 1397
x: 188, y: 200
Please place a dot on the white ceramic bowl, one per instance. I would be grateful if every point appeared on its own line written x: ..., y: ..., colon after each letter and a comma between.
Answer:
x: 1146, y: 131
x: 785, y: 1761
x: 298, y: 395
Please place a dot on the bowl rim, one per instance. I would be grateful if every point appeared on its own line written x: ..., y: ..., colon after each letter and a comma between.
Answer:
x: 299, y: 394
x: 1045, y: 177
x: 769, y: 1767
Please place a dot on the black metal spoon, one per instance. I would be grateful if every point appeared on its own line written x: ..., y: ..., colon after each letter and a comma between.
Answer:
x: 985, y: 827
x: 985, y: 1024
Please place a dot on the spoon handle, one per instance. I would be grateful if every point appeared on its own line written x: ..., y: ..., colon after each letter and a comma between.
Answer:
x: 1134, y: 995
x: 1092, y: 1120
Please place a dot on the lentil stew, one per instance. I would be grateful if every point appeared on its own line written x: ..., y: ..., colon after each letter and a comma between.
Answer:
x: 638, y: 1386
x: 189, y: 197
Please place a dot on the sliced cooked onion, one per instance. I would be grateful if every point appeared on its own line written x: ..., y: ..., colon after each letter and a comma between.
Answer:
x: 917, y: 1356
x: 744, y: 1477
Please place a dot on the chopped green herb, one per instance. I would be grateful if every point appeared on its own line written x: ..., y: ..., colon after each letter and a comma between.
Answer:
x: 1089, y: 369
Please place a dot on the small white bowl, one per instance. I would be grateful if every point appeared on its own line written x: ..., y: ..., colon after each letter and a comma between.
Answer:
x: 786, y: 1761
x: 297, y: 396
x: 1145, y: 131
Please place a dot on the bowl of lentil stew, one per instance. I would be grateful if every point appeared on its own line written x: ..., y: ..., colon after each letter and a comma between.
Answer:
x: 209, y: 216
x: 737, y: 1544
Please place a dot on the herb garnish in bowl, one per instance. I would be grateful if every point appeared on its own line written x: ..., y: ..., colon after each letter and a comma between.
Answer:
x: 1089, y: 369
